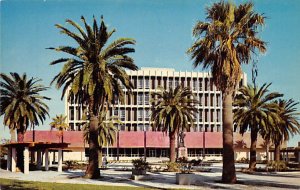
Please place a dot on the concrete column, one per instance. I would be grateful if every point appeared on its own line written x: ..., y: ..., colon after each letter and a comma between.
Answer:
x: 13, y: 160
x: 50, y: 159
x: 39, y: 159
x: 43, y: 157
x: 59, y: 167
x: 8, y: 168
x: 26, y: 160
x: 46, y: 155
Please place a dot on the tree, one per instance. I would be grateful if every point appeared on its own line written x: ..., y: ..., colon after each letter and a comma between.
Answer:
x: 106, y: 130
x: 288, y: 124
x: 173, y: 110
x: 59, y: 123
x: 255, y: 111
x: 93, y: 74
x: 22, y: 105
x: 223, y: 43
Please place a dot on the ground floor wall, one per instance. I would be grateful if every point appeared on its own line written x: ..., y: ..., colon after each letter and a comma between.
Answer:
x: 161, y: 154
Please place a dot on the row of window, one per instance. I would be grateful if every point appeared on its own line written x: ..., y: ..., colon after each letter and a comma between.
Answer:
x: 159, y: 152
x: 77, y: 126
x: 146, y: 83
x: 144, y: 115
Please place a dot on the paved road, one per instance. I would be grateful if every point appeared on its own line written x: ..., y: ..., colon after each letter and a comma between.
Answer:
x: 204, y: 180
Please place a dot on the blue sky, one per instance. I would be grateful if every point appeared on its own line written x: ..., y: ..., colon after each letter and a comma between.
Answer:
x: 162, y: 30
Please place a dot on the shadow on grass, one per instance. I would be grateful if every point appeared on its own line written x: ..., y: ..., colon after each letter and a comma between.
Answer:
x: 18, y: 185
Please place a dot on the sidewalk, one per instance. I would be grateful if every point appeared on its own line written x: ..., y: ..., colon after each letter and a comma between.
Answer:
x: 166, y: 180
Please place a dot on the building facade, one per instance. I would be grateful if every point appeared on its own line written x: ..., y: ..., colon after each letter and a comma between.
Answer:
x: 136, y: 135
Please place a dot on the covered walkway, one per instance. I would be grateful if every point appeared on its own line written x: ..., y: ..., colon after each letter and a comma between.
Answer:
x: 40, y: 149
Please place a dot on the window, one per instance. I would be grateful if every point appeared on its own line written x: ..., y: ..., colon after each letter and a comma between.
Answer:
x: 200, y: 116
x: 176, y: 83
x: 71, y: 113
x: 140, y: 127
x: 200, y: 100
x: 170, y: 83
x: 218, y: 115
x: 218, y: 100
x: 78, y: 126
x: 122, y: 112
x: 147, y: 99
x: 78, y: 111
x: 140, y: 83
x: 140, y: 99
x: 116, y: 113
x: 147, y: 127
x: 147, y: 83
x: 147, y: 115
x: 200, y: 85
x: 140, y: 115
x: 72, y: 126
x: 194, y: 85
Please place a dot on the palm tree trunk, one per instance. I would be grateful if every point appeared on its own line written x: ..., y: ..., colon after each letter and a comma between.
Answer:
x: 172, y: 136
x: 228, y: 172
x: 93, y: 171
x: 252, y: 163
x: 267, y: 154
x: 20, y: 150
x: 267, y: 151
x: 277, y: 152
x: 13, y: 135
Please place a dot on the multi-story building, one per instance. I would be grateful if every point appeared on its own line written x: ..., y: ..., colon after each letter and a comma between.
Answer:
x: 136, y: 110
x: 136, y: 134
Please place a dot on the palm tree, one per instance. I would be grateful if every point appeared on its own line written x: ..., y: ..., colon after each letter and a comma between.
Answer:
x: 173, y: 110
x: 22, y: 105
x: 255, y: 111
x: 106, y: 130
x: 223, y: 43
x: 93, y: 74
x: 288, y: 124
x: 59, y: 123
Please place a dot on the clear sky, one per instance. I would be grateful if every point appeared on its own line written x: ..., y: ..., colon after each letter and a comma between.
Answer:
x: 162, y: 30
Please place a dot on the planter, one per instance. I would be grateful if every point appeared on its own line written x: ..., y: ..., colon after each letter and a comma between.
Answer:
x: 138, y: 172
x: 185, y: 178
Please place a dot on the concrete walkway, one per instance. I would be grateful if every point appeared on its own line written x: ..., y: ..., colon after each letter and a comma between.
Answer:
x: 166, y: 180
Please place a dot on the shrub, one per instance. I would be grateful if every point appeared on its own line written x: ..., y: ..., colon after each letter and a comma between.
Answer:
x: 277, y: 165
x: 182, y: 160
x: 243, y: 160
x: 140, y: 164
x: 196, y: 162
x: 173, y: 167
x: 71, y: 163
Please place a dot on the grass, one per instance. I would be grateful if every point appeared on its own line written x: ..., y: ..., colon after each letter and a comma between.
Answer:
x: 31, y: 185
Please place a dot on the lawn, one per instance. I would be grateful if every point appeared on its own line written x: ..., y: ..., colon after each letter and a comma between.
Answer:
x: 30, y: 185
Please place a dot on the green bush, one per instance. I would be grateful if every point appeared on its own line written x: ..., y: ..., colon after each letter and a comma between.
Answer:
x: 71, y: 164
x: 140, y: 164
x: 277, y: 165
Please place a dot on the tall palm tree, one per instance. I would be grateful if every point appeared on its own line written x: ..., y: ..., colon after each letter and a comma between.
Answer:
x: 106, y: 131
x: 93, y: 74
x: 223, y: 43
x: 173, y: 110
x: 288, y: 124
x: 22, y: 105
x: 59, y: 123
x: 255, y: 111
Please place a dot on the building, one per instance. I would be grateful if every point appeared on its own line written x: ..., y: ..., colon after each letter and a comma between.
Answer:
x: 136, y: 134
